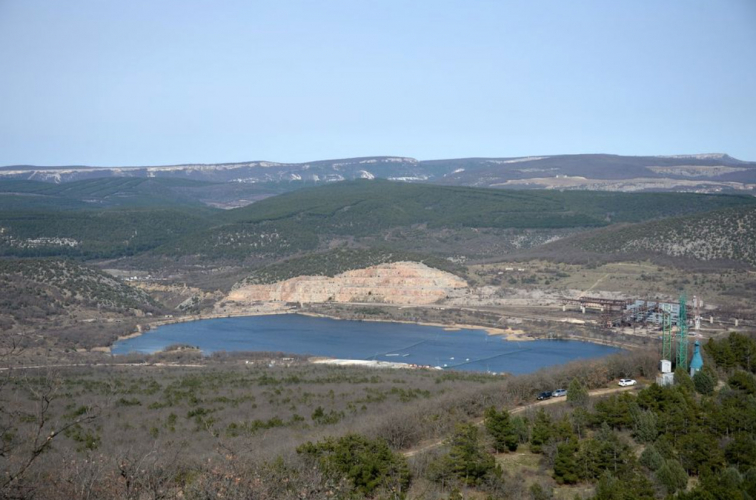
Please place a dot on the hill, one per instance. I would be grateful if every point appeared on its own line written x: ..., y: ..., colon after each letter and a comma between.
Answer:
x: 721, y: 235
x: 95, y: 234
x: 690, y: 173
x: 127, y: 192
x: 391, y: 214
x: 69, y: 300
x: 447, y: 221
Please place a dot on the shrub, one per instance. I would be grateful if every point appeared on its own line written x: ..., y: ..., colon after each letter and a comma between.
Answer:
x: 466, y: 461
x: 704, y: 383
x: 368, y: 463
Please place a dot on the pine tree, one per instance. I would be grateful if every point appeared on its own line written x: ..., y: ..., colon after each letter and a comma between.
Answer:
x: 672, y: 476
x: 565, y: 465
x: 542, y: 431
x: 577, y: 394
x: 651, y: 458
x: 704, y: 383
x: 500, y: 426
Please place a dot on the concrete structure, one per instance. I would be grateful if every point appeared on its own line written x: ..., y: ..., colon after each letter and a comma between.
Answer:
x: 665, y: 366
x: 665, y: 379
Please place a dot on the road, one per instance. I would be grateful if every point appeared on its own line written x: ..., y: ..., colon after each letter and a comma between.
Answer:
x: 519, y: 409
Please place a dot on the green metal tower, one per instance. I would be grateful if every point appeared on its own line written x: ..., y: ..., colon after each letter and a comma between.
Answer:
x: 666, y: 335
x: 682, y: 334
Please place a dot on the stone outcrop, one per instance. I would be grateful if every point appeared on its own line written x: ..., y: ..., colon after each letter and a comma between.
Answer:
x: 408, y: 283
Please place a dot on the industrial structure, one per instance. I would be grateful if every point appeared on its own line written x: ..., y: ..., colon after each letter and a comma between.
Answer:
x: 682, y: 334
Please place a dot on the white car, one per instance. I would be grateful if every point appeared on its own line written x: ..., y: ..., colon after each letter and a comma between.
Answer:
x: 624, y: 382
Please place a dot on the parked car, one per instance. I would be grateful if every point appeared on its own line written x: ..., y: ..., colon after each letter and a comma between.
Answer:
x: 559, y: 393
x: 624, y: 382
x: 544, y: 395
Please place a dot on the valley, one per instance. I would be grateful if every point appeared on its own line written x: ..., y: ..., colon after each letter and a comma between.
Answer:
x: 90, y: 263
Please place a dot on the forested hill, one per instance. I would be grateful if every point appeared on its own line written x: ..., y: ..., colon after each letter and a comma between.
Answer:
x: 394, y: 203
x: 59, y: 294
x: 387, y: 213
x: 724, y: 235
x: 363, y: 213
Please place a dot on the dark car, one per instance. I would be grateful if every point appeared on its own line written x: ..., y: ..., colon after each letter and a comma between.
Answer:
x: 544, y: 395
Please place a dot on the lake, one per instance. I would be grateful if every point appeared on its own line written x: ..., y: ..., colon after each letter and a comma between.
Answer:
x: 471, y: 350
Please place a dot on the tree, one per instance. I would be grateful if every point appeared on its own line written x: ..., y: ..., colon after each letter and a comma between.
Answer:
x: 615, y: 411
x: 604, y: 452
x: 521, y: 428
x: 672, y: 476
x: 368, y: 463
x: 741, y: 451
x: 704, y: 383
x: 634, y: 487
x: 682, y: 379
x: 499, y: 425
x: 644, y: 426
x: 466, y: 461
x: 577, y: 394
x: 651, y: 458
x: 699, y: 452
x: 542, y: 431
x: 566, y: 470
x: 742, y: 381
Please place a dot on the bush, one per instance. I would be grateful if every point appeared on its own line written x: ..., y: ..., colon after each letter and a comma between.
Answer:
x: 704, y: 383
x: 466, y: 461
x: 368, y: 463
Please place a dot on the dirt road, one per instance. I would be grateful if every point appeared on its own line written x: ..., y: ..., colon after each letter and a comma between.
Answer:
x: 520, y: 409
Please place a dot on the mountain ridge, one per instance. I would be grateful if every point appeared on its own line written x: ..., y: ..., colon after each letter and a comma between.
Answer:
x: 705, y: 172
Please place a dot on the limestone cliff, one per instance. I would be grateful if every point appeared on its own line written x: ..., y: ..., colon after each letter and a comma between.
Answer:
x: 394, y: 283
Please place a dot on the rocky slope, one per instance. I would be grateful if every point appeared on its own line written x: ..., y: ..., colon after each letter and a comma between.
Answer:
x: 721, y: 235
x: 693, y: 173
x: 392, y: 283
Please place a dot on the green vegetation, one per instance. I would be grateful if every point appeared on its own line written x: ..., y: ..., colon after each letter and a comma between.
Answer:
x: 726, y: 234
x: 500, y: 426
x: 130, y: 216
x: 95, y: 234
x: 368, y: 464
x: 50, y: 291
x: 338, y: 261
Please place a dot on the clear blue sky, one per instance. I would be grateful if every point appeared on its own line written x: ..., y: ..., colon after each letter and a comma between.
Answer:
x: 138, y: 82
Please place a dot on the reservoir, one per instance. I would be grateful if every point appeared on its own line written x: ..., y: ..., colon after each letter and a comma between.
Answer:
x: 470, y: 350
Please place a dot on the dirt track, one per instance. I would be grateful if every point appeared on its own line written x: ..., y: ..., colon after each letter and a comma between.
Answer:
x: 520, y: 409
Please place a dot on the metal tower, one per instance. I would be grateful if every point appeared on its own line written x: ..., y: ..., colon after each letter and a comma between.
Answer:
x: 682, y: 335
x: 666, y: 336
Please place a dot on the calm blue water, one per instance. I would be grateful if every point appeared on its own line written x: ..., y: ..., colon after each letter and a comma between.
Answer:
x: 472, y: 350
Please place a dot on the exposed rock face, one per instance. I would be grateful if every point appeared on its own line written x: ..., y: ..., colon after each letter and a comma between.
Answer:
x: 394, y: 283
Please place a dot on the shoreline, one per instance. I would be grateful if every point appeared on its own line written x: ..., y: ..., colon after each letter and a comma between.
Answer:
x: 509, y: 334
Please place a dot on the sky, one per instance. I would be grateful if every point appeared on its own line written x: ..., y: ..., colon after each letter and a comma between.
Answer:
x: 144, y: 82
